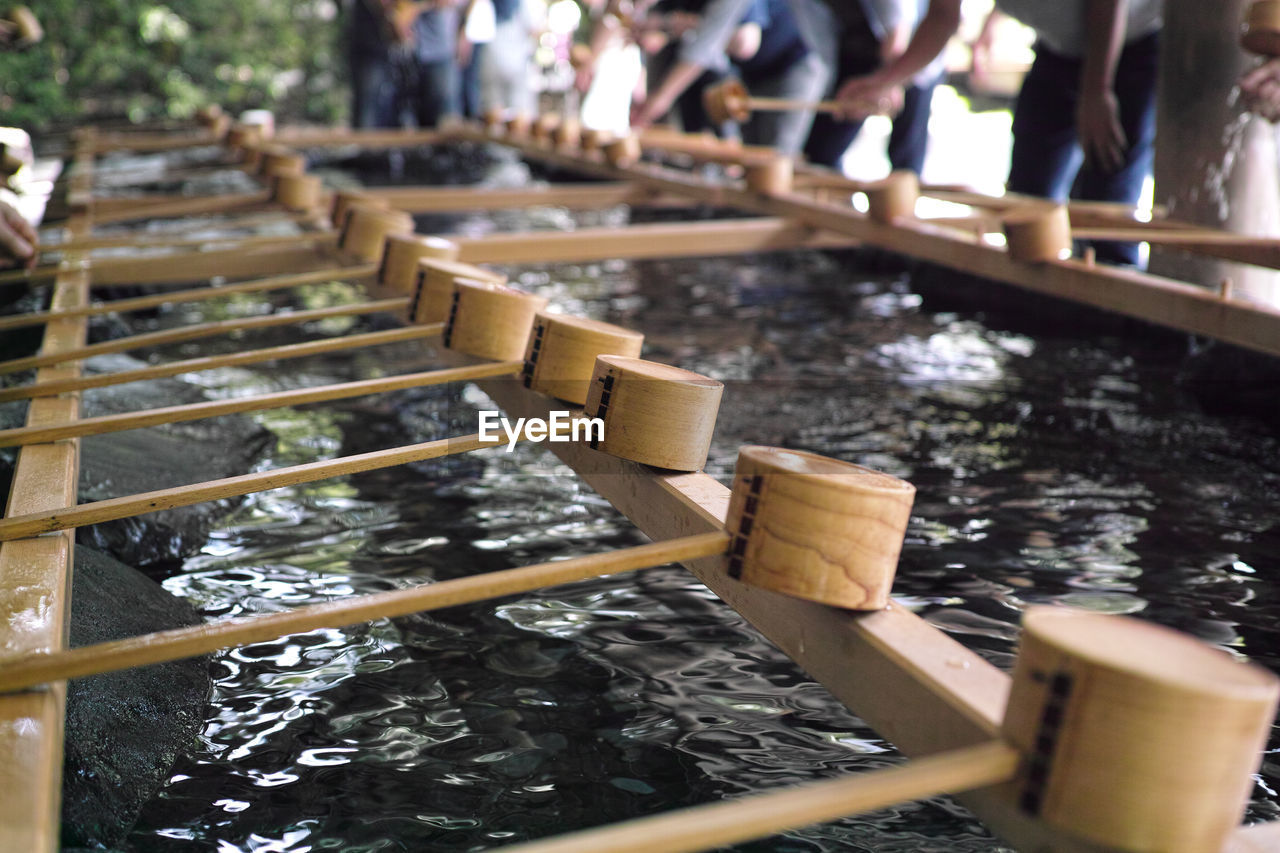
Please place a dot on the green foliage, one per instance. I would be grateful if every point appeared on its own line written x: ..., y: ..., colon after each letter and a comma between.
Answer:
x: 144, y: 60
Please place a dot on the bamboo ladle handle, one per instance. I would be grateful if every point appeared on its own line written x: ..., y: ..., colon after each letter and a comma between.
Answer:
x: 760, y: 815
x: 201, y: 639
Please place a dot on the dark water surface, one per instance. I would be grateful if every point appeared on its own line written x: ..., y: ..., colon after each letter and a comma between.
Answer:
x: 1053, y: 462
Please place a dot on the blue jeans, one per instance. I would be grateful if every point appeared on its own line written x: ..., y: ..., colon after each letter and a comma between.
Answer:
x: 1047, y: 160
x: 470, y: 87
x: 438, y: 91
x: 374, y: 91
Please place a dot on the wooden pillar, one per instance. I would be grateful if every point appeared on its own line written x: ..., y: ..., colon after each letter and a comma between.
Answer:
x: 1215, y: 165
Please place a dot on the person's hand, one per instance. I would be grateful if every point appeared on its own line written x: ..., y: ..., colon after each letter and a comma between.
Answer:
x: 1260, y: 89
x: 463, y: 51
x: 639, y: 116
x: 859, y: 97
x: 18, y: 239
x: 1098, y: 128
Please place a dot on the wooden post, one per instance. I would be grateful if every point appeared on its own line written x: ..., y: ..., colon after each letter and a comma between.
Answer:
x: 562, y: 351
x: 653, y: 413
x: 1138, y: 737
x: 489, y: 320
x: 1214, y: 164
x: 433, y: 289
x: 816, y: 528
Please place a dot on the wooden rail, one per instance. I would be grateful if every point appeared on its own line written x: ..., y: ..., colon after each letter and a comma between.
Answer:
x: 35, y: 588
x: 1155, y: 299
x: 917, y: 687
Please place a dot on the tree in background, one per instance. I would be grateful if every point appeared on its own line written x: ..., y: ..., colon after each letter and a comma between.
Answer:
x: 141, y: 61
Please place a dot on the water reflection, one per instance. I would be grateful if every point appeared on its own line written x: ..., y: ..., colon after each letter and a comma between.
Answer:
x: 1050, y: 468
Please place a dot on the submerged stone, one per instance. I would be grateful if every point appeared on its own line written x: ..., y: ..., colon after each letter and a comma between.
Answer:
x: 124, y: 730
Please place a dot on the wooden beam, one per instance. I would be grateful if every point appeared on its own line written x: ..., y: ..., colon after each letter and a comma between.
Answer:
x: 40, y: 522
x: 913, y: 684
x: 367, y: 138
x: 121, y: 421
x: 1162, y: 301
x: 732, y: 821
x: 182, y: 269
x: 20, y: 673
x: 204, y: 243
x: 574, y: 196
x: 35, y: 592
x: 196, y: 331
x: 200, y: 294
x: 194, y: 206
x: 689, y: 239
x: 53, y: 387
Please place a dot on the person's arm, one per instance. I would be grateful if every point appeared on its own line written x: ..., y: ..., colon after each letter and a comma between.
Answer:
x: 1261, y: 89
x: 18, y: 239
x: 719, y: 21
x: 1097, y: 111
x: 937, y: 26
x: 980, y: 57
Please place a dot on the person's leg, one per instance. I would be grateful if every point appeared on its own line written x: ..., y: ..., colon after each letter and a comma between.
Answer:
x: 829, y: 138
x: 1135, y: 88
x: 373, y: 92
x: 909, y: 138
x: 804, y: 80
x: 437, y: 92
x: 693, y: 116
x: 1046, y: 155
x: 470, y: 82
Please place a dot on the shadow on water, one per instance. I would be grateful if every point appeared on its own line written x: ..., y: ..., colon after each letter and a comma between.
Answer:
x: 1055, y: 462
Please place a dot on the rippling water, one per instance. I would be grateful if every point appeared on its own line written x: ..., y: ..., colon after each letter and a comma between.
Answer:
x: 1052, y: 466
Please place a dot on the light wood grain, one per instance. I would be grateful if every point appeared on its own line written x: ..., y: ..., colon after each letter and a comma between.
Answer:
x: 35, y: 583
x: 653, y: 413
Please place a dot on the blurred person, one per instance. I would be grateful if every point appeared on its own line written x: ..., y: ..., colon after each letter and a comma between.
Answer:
x: 478, y: 22
x: 505, y: 71
x: 380, y: 64
x: 608, y: 68
x: 863, y: 36
x: 660, y: 29
x: 1084, y: 120
x: 762, y: 41
x: 1260, y: 89
x: 435, y: 49
x: 402, y: 57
